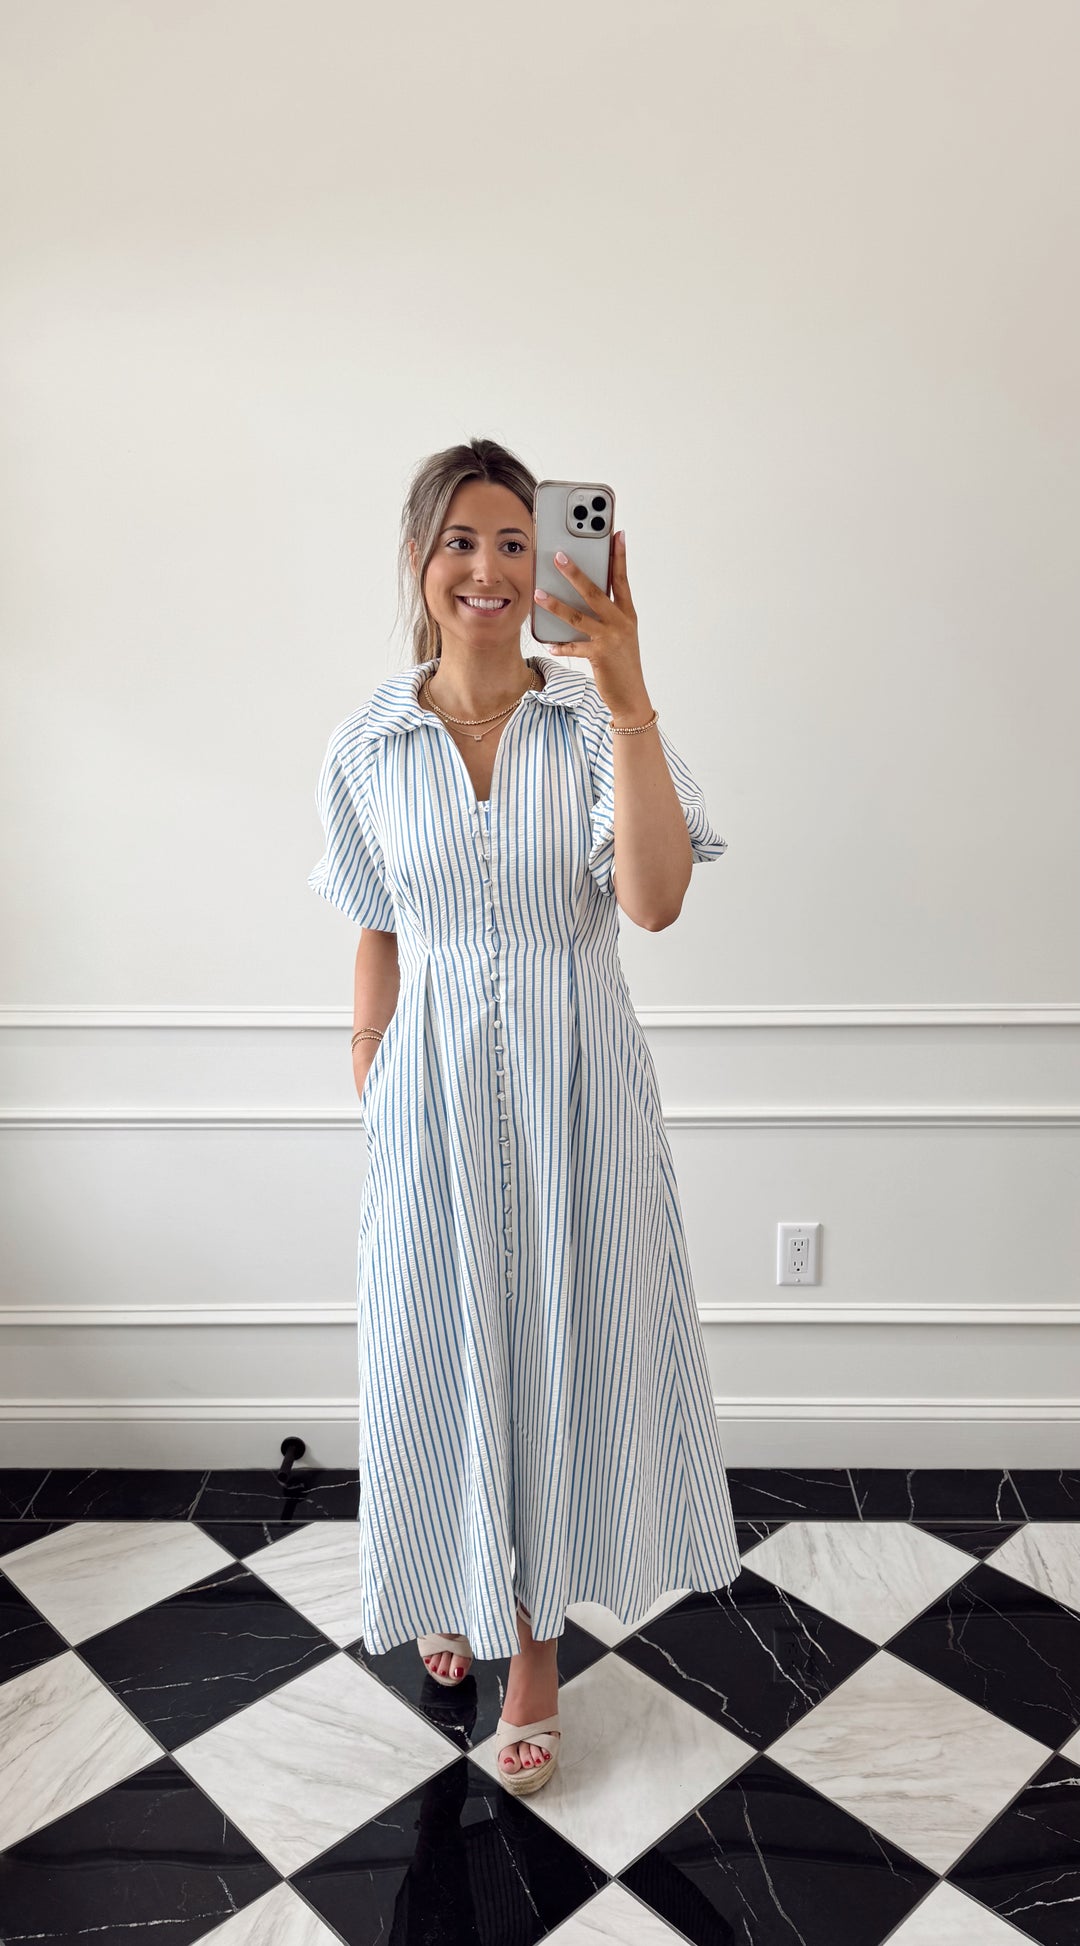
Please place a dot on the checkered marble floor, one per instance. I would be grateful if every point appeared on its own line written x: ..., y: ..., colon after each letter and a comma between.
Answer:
x: 873, y: 1735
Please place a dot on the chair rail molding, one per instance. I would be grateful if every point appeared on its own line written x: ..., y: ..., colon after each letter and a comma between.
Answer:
x: 1035, y: 1013
x: 99, y: 1317
x: 777, y: 1115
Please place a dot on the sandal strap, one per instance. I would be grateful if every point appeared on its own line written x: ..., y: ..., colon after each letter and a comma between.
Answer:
x: 431, y: 1644
x: 544, y: 1730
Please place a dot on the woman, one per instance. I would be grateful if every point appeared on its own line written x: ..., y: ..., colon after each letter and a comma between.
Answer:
x: 536, y: 1419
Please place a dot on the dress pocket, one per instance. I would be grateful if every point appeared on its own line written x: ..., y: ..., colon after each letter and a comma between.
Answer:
x: 647, y: 1088
x: 373, y: 1076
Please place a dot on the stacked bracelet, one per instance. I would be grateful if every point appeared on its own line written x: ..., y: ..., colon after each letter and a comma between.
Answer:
x: 362, y: 1033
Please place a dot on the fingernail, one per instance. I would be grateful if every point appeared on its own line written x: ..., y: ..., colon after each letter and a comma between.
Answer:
x: 539, y: 594
x: 561, y: 558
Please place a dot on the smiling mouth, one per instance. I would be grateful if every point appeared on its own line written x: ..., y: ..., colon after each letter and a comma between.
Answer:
x: 483, y: 607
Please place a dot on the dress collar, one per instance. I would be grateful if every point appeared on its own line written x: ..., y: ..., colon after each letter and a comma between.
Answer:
x: 393, y: 706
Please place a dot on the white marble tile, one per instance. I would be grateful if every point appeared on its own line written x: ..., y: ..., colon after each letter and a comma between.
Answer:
x: 95, y: 1573
x: 873, y: 1575
x: 279, y: 1918
x: 1071, y: 1750
x: 607, y: 1627
x: 316, y: 1569
x: 1045, y: 1554
x: 949, y: 1918
x: 920, y: 1764
x: 64, y: 1738
x: 614, y: 1918
x: 321, y: 1755
x: 634, y: 1760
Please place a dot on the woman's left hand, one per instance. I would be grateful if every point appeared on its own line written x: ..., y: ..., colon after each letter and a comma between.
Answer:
x: 611, y: 629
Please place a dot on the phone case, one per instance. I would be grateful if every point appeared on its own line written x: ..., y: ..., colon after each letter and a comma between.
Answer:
x: 579, y: 518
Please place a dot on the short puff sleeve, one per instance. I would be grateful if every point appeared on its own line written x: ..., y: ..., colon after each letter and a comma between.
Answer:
x: 348, y: 874
x: 705, y: 840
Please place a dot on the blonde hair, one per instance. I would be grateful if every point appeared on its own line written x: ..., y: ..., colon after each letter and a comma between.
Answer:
x: 431, y: 489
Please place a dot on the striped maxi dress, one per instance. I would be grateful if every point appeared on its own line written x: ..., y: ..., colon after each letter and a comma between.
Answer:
x: 536, y: 1414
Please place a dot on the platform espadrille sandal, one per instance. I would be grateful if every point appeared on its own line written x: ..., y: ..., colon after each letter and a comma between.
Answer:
x: 545, y: 1731
x: 457, y: 1644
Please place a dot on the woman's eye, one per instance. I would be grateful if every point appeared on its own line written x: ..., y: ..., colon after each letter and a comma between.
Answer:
x: 455, y: 538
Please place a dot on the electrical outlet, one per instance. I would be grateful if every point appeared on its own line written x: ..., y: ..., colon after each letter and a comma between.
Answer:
x: 798, y: 1253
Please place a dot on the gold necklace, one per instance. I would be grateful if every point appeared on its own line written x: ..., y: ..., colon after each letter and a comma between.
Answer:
x: 470, y: 722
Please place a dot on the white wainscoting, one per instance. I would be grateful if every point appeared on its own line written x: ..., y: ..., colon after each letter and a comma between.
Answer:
x: 182, y: 1187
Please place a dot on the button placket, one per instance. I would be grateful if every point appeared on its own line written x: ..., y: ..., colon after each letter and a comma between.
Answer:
x: 491, y: 934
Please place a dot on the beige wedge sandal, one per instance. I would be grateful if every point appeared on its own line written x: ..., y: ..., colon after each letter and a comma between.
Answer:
x: 545, y: 1731
x: 457, y: 1644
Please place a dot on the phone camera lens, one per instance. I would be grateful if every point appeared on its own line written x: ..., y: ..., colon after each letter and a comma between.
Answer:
x: 580, y: 511
x: 599, y: 503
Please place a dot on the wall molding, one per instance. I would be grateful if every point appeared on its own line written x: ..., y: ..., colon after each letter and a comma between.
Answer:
x: 777, y: 1115
x: 142, y: 1317
x: 1034, y: 1013
x: 342, y: 1411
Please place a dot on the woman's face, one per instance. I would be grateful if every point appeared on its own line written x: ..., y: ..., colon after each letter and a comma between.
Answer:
x: 485, y: 550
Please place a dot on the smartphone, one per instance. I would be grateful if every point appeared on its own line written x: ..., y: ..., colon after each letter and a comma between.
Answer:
x: 578, y: 517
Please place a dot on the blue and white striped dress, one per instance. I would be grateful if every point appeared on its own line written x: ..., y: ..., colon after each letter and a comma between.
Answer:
x: 536, y: 1415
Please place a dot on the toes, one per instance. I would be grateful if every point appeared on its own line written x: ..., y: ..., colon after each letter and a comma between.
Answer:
x: 510, y: 1759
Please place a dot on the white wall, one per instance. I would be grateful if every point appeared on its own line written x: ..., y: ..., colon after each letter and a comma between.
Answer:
x: 801, y: 280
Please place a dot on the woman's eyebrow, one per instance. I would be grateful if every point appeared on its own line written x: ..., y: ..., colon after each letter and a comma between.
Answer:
x: 460, y: 527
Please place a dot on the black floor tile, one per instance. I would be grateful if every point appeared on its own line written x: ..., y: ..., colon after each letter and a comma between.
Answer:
x: 1004, y: 1646
x: 1049, y: 1496
x: 26, y: 1638
x: 1026, y: 1867
x: 775, y: 1493
x: 766, y: 1861
x: 935, y: 1494
x: 151, y: 1859
x: 458, y: 1863
x: 194, y: 1659
x: 975, y: 1537
x: 750, y: 1656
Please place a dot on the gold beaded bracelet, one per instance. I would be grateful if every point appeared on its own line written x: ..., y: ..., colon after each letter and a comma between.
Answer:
x: 361, y: 1033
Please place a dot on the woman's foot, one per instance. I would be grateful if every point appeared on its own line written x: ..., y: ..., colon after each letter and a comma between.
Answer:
x: 448, y: 1662
x: 532, y: 1693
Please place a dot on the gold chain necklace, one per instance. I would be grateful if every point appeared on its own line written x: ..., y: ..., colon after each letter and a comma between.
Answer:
x: 470, y: 722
